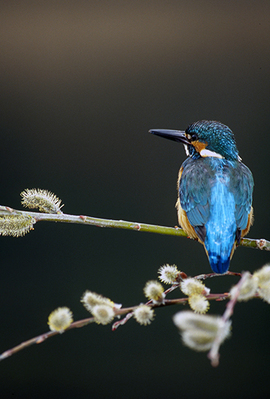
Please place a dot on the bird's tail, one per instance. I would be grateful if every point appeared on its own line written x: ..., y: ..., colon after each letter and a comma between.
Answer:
x: 219, y: 261
x: 219, y: 245
x: 221, y: 229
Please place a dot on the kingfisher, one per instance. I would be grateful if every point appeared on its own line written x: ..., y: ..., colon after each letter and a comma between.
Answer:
x: 215, y: 188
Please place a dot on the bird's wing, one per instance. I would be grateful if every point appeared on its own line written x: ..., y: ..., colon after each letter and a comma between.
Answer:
x: 241, y: 186
x: 194, y: 192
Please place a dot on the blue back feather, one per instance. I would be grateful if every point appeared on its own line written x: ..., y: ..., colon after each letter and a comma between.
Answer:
x: 221, y: 227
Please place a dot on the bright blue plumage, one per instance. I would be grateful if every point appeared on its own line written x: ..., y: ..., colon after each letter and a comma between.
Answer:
x: 221, y: 227
x: 215, y: 190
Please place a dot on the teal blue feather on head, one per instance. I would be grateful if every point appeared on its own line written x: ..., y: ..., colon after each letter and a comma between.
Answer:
x: 219, y: 137
x: 214, y: 190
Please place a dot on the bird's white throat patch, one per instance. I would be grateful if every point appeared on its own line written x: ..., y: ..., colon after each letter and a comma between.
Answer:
x: 207, y: 153
x: 186, y: 149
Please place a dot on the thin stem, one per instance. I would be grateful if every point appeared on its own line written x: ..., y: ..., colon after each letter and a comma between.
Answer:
x: 121, y: 224
x: 41, y: 338
x: 213, y: 355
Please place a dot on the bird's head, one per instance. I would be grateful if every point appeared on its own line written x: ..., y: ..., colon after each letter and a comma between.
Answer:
x: 204, y: 139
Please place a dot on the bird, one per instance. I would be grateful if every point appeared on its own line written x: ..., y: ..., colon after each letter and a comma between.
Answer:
x: 214, y: 204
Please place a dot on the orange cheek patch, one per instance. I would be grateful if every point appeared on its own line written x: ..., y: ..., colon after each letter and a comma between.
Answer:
x: 199, y: 146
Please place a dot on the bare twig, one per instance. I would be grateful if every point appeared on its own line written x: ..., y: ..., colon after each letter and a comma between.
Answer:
x: 41, y: 338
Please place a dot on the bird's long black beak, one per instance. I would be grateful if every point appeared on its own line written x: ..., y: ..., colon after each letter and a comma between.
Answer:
x: 175, y: 135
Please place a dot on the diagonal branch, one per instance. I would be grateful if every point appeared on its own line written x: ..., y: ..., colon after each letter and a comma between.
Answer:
x: 118, y: 312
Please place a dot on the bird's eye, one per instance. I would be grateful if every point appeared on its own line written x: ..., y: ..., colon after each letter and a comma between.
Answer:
x: 192, y: 136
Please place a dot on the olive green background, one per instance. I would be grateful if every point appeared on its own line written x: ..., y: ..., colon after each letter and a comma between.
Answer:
x: 81, y: 83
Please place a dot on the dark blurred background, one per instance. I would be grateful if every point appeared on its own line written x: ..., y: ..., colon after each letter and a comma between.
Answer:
x: 82, y: 82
